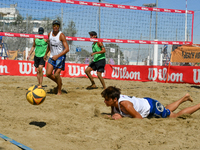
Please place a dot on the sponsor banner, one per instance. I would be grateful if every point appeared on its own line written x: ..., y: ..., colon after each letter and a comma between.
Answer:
x: 96, y: 39
x: 186, y: 54
x: 177, y: 74
x: 119, y: 6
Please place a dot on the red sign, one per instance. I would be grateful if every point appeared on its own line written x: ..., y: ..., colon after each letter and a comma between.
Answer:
x: 176, y: 74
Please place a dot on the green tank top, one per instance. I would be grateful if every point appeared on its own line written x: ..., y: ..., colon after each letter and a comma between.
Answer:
x: 97, y: 57
x: 40, y: 47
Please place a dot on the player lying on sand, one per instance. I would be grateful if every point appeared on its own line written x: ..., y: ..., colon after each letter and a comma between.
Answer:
x: 126, y: 106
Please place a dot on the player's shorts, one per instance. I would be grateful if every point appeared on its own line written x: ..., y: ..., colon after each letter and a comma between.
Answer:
x: 157, y: 110
x: 99, y: 65
x: 59, y: 63
x: 39, y: 61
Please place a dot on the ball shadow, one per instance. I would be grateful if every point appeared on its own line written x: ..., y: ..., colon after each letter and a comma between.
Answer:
x: 55, y: 91
x: 40, y: 124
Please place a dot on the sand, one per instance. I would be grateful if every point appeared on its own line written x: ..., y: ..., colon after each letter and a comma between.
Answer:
x: 76, y: 120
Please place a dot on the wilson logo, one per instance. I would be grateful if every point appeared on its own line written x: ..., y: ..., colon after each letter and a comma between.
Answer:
x: 28, y: 68
x: 3, y: 69
x: 124, y: 74
x: 161, y: 75
x: 75, y: 70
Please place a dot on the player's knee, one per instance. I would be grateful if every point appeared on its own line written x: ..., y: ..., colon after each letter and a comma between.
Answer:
x: 86, y: 71
x: 48, y: 74
x: 40, y: 69
x: 57, y: 75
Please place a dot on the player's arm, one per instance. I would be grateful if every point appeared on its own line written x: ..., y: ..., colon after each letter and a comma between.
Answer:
x: 128, y: 108
x: 32, y: 49
x: 66, y: 47
x: 48, y: 48
x: 103, y: 50
x: 65, y: 44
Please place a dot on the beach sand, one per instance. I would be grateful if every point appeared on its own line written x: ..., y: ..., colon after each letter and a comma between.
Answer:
x: 76, y: 120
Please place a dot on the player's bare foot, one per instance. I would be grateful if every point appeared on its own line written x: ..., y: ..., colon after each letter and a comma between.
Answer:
x: 91, y: 87
x: 59, y: 93
x: 187, y: 97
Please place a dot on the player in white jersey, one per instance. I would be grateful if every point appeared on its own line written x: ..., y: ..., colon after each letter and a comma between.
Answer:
x: 126, y: 106
x: 58, y: 48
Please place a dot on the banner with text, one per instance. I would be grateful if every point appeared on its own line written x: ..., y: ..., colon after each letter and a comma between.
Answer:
x: 176, y: 74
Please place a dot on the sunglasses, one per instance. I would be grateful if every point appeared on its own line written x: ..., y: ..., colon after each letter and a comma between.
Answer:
x: 56, y: 25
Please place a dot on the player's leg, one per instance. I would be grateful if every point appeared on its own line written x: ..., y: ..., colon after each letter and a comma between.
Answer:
x: 173, y: 106
x: 188, y: 110
x: 100, y: 69
x: 36, y: 64
x: 99, y: 74
x: 40, y: 74
x: 40, y: 70
x: 49, y: 71
x: 88, y: 73
x: 58, y: 80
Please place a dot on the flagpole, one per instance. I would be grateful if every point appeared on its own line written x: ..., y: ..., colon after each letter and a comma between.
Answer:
x: 186, y: 21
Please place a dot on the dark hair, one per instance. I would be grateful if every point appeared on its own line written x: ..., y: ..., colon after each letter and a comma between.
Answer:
x: 111, y: 92
x: 92, y: 33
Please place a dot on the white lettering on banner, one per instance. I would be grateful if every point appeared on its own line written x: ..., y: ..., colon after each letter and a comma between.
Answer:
x: 75, y: 70
x: 164, y: 42
x: 107, y: 5
x: 119, y: 41
x: 67, y: 38
x: 67, y: 1
x: 167, y: 10
x: 156, y: 9
x: 55, y: 0
x: 80, y: 39
x: 38, y: 36
x: 27, y: 68
x: 3, y: 69
x: 130, y: 41
x: 24, y: 35
x: 106, y: 40
x: 142, y: 42
x: 196, y: 78
x: 83, y: 3
x: 8, y: 34
x: 94, y: 40
x: 161, y: 75
x: 144, y: 8
x: 23, y: 70
x: 121, y: 6
x: 124, y: 74
x: 178, y: 11
x: 175, y: 42
x: 132, y: 7
x: 96, y: 4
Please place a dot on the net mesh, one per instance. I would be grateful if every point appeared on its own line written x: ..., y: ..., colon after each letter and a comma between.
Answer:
x: 113, y: 23
x: 17, y: 16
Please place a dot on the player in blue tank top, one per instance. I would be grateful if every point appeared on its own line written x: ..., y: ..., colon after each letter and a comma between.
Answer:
x: 122, y: 105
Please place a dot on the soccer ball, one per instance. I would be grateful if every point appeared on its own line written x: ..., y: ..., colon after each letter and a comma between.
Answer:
x: 35, y: 95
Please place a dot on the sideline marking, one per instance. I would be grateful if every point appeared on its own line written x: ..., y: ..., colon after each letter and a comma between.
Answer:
x: 15, y: 142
